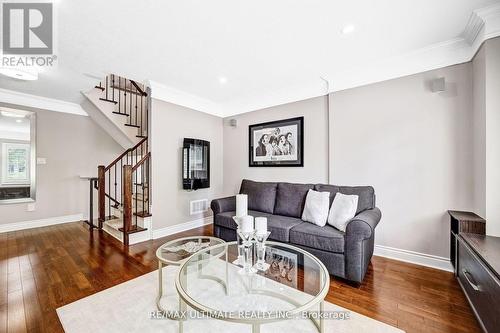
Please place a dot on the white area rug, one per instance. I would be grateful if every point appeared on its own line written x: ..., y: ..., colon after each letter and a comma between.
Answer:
x: 127, y: 307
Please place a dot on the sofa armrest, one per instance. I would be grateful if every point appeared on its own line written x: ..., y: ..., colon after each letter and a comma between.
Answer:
x: 223, y: 205
x: 359, y: 243
x: 363, y: 225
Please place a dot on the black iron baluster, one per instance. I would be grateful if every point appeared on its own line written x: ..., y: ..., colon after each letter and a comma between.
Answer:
x: 136, y: 97
x: 143, y: 192
x: 107, y: 87
x: 113, y: 85
x: 119, y: 95
x: 142, y: 128
x: 109, y: 193
x: 121, y: 181
x: 130, y: 104
x: 116, y: 184
x: 136, y: 199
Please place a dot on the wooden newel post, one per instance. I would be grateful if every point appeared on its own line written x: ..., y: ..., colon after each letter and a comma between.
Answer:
x: 127, y: 202
x: 101, y: 182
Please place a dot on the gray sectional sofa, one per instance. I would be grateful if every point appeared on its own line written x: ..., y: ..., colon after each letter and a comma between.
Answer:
x: 345, y: 255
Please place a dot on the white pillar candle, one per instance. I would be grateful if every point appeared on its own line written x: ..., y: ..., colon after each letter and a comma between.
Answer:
x: 241, y: 205
x: 261, y: 225
x: 246, y: 224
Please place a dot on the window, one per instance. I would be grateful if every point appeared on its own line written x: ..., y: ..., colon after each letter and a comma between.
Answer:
x: 16, y: 161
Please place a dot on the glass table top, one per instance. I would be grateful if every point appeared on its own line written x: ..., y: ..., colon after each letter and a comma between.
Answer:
x: 176, y: 251
x: 295, y: 281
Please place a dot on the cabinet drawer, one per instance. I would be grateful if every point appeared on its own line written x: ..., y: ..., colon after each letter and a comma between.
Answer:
x: 482, y: 288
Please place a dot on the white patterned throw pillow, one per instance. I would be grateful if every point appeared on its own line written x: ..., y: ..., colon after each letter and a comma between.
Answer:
x: 343, y: 209
x: 316, y: 207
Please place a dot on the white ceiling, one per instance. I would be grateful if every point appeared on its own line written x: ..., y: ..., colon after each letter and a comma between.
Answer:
x: 271, y: 52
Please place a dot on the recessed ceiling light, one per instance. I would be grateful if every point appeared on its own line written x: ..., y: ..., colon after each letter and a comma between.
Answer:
x: 223, y: 80
x: 348, y: 29
x: 20, y: 74
x: 19, y: 120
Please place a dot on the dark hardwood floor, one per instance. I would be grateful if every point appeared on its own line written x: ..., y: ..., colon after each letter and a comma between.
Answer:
x: 42, y: 269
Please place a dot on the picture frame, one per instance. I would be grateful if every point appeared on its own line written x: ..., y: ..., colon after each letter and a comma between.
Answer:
x: 277, y: 143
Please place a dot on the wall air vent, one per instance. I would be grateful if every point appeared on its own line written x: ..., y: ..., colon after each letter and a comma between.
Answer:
x: 198, y: 206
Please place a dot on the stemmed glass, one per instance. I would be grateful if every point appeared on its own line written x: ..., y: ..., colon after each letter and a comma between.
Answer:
x: 240, y: 260
x: 247, y: 238
x: 261, y: 264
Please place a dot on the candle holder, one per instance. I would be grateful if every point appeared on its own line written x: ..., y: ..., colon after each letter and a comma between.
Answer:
x: 247, y: 238
x: 240, y: 260
x: 260, y: 239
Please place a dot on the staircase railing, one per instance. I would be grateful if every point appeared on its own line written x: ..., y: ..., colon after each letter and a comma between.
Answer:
x: 136, y: 195
x: 125, y: 183
x: 111, y: 177
x: 130, y: 99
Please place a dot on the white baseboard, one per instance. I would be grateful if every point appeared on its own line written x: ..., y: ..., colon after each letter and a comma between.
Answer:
x: 181, y: 227
x: 414, y: 257
x: 40, y: 223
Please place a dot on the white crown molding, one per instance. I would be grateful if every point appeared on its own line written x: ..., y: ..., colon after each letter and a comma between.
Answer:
x: 17, y: 98
x: 473, y: 28
x: 414, y: 257
x: 40, y: 223
x: 174, y: 229
x: 176, y: 96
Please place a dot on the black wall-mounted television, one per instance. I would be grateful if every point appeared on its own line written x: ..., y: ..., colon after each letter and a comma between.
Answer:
x: 196, y: 164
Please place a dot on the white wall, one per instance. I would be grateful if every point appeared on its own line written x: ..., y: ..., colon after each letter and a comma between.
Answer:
x: 170, y: 124
x: 414, y: 147
x: 236, y: 153
x: 73, y: 145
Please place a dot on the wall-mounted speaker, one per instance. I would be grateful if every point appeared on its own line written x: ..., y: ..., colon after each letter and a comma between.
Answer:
x: 438, y: 85
x: 233, y: 122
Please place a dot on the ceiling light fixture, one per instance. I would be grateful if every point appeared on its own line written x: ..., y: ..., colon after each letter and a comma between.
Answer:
x: 19, y: 121
x: 223, y: 80
x: 348, y: 29
x: 20, y: 74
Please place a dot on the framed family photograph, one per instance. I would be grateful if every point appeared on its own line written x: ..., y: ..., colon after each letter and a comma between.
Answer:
x: 277, y: 143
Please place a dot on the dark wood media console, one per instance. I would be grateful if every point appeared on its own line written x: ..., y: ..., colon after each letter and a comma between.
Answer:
x: 476, y: 259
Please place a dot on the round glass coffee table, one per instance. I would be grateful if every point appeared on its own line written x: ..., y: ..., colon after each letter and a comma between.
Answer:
x: 177, y: 251
x: 294, y: 286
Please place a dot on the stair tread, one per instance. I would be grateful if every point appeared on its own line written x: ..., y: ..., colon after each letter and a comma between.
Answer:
x: 135, y: 229
x: 143, y: 214
x: 108, y: 100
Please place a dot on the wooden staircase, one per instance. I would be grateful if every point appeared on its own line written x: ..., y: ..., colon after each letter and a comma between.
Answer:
x: 124, y: 186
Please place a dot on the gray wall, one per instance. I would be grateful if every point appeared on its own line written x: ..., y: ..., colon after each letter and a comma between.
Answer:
x: 315, y: 168
x: 73, y: 146
x: 479, y: 131
x: 170, y: 125
x: 414, y: 147
x: 489, y: 114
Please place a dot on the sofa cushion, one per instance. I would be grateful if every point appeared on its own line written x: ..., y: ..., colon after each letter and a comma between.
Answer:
x: 324, y: 238
x: 226, y: 219
x: 261, y: 196
x: 280, y: 227
x: 366, y: 194
x: 291, y: 198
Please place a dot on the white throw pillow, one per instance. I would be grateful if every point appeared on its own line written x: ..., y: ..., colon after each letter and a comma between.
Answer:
x: 343, y: 210
x: 316, y: 208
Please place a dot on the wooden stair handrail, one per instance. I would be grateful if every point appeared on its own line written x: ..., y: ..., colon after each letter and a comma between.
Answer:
x: 138, y: 88
x: 112, y: 164
x: 141, y: 162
